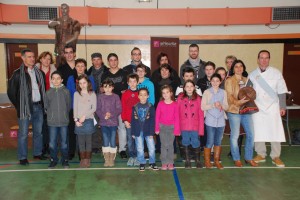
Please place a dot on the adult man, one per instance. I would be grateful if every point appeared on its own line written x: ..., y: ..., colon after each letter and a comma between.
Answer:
x: 26, y: 91
x: 67, y: 31
x: 96, y: 70
x: 195, y: 62
x: 67, y: 69
x: 119, y: 77
x: 136, y: 56
x: 270, y: 90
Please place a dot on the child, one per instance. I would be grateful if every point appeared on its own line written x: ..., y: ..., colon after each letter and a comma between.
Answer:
x: 145, y: 82
x: 167, y: 125
x: 129, y: 99
x: 188, y: 73
x: 222, y: 72
x: 191, y: 119
x: 58, y: 119
x: 204, y: 83
x: 142, y: 128
x: 214, y: 102
x: 84, y: 108
x: 108, y: 110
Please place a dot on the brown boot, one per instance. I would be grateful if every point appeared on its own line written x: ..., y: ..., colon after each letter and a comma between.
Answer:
x: 82, y: 159
x: 88, y: 158
x: 113, y: 152
x: 207, y: 158
x: 187, y: 164
x: 106, y: 155
x: 217, y: 153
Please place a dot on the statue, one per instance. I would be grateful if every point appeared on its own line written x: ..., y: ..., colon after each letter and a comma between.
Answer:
x: 67, y: 31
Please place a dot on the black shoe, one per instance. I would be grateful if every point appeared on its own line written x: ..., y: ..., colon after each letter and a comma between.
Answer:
x: 71, y: 156
x: 123, y: 155
x: 142, y: 167
x: 52, y: 164
x: 153, y: 166
x: 40, y: 157
x: 95, y: 151
x: 24, y: 162
x: 65, y: 164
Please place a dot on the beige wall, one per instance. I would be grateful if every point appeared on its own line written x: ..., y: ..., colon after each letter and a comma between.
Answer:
x: 212, y: 52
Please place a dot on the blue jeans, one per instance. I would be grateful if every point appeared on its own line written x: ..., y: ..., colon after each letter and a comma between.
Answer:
x: 130, y: 144
x: 58, y: 134
x: 190, y: 138
x: 139, y: 142
x: 234, y: 121
x: 37, y: 118
x: 109, y: 136
x: 214, y: 136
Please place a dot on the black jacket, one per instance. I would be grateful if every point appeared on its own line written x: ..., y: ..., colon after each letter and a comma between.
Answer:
x: 132, y: 69
x: 13, y: 89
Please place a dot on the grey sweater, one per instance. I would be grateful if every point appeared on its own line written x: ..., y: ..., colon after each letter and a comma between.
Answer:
x: 58, y: 106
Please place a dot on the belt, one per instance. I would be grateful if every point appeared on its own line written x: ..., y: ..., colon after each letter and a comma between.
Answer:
x: 37, y: 103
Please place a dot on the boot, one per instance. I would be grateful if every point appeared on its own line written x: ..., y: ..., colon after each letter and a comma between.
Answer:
x: 113, y: 152
x: 187, y: 164
x: 88, y: 156
x: 217, y: 153
x: 197, y: 158
x: 82, y: 159
x: 207, y: 158
x: 106, y: 155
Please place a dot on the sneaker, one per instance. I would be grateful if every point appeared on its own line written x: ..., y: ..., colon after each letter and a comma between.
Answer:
x: 164, y: 167
x: 123, y: 155
x: 278, y: 162
x: 136, y: 162
x: 52, y: 164
x: 171, y: 166
x: 259, y: 159
x: 153, y: 167
x: 130, y: 162
x: 142, y: 167
x: 65, y: 164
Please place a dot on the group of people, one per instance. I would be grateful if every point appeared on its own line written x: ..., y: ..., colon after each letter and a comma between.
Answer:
x: 86, y: 109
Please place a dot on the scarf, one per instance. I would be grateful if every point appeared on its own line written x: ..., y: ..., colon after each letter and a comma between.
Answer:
x: 194, y: 62
x: 97, y: 73
x: 25, y: 112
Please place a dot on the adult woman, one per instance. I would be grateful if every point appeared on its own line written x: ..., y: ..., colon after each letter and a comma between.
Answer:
x: 166, y: 77
x: 232, y: 87
x: 45, y: 63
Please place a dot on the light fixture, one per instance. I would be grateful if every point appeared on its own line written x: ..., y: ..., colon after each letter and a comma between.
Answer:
x: 142, y: 1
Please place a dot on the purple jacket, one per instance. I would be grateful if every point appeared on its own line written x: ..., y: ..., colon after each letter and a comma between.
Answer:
x: 108, y: 103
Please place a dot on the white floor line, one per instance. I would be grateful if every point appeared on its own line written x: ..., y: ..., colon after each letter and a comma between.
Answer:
x: 120, y: 168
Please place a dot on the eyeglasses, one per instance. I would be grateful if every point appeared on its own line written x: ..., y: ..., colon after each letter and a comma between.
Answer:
x: 136, y: 54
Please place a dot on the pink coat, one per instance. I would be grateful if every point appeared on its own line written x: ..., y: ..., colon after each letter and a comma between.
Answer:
x: 191, y: 116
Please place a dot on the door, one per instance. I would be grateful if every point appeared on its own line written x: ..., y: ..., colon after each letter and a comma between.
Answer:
x: 291, y: 64
x: 14, y: 60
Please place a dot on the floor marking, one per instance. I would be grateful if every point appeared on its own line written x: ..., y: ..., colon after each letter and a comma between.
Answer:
x: 178, y: 186
x: 131, y: 168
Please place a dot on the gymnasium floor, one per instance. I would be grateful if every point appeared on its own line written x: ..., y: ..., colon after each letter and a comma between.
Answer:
x: 121, y: 182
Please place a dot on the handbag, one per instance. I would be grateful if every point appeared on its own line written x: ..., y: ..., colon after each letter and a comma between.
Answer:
x: 249, y: 107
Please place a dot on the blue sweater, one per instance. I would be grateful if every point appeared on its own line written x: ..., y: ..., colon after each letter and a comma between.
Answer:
x: 142, y: 120
x: 71, y: 85
x: 149, y: 85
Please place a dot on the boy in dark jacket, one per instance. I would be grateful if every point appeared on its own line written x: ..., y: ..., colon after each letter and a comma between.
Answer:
x: 142, y: 128
x: 58, y: 108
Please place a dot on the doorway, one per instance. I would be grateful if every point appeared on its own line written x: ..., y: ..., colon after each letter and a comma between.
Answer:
x: 14, y: 60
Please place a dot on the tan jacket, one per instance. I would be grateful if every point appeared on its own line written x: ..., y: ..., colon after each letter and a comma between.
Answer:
x: 232, y: 88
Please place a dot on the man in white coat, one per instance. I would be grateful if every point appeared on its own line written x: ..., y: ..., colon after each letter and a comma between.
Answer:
x: 270, y: 90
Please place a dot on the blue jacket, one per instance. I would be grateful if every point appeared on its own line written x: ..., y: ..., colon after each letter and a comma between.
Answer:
x: 149, y: 85
x: 147, y: 127
x: 71, y: 85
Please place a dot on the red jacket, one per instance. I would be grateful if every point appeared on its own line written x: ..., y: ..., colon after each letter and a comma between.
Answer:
x: 191, y: 116
x: 129, y: 99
